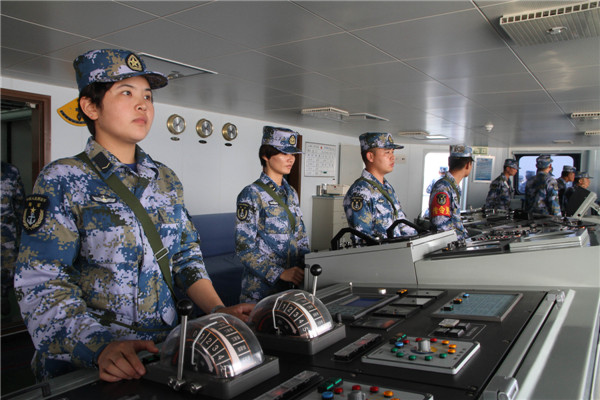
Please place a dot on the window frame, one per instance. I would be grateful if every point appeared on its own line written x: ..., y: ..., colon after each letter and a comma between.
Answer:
x: 518, y: 155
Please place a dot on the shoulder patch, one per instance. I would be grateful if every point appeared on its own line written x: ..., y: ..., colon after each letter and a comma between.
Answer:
x: 439, y: 206
x: 242, y: 211
x: 35, y: 212
x: 357, y: 203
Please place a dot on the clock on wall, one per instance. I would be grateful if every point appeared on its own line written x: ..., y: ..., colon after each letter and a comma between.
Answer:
x: 229, y: 131
x: 204, y: 128
x: 176, y: 124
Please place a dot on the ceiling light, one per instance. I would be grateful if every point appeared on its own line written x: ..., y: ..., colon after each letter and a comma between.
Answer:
x: 166, y: 66
x: 557, y: 30
x: 591, y: 133
x: 421, y: 135
x: 558, y: 23
x: 586, y: 115
x: 366, y: 116
x: 488, y: 127
x: 331, y: 113
x: 562, y: 141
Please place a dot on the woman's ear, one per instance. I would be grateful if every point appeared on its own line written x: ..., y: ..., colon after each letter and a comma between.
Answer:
x: 88, y: 108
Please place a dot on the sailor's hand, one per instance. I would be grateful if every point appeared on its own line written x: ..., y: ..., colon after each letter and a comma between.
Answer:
x: 242, y: 310
x: 119, y: 360
x: 294, y: 275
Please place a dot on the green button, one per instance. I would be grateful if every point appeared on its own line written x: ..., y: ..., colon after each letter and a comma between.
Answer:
x: 394, y: 349
x: 412, y: 358
x: 399, y: 354
x: 443, y: 355
x: 428, y: 358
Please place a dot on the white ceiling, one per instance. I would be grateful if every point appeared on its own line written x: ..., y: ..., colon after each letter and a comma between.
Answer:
x: 444, y: 67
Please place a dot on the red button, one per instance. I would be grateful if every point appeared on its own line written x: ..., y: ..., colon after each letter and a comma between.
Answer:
x: 338, y: 390
x: 418, y: 339
x: 374, y: 389
x: 433, y: 340
x: 355, y: 387
x: 406, y: 341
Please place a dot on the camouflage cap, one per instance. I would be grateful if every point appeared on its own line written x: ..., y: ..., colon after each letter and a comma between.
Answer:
x: 543, y: 161
x: 443, y: 170
x: 568, y: 168
x: 511, y: 162
x: 377, y: 140
x: 582, y: 175
x: 283, y: 139
x: 112, y: 65
x: 460, y: 150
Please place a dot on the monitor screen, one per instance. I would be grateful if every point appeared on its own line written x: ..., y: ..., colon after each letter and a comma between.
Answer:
x: 580, y: 202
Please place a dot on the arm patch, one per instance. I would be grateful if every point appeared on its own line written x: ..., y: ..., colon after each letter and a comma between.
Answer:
x: 440, y: 206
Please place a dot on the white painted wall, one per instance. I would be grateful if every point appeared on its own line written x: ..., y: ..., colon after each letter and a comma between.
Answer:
x: 213, y: 174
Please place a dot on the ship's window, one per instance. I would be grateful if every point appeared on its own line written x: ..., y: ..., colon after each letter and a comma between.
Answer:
x: 527, y: 167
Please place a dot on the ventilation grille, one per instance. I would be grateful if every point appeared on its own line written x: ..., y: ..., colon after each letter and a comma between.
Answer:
x: 415, y: 134
x: 580, y: 20
x: 332, y: 113
x: 586, y: 115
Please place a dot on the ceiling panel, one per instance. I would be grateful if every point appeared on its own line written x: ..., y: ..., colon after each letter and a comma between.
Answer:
x: 445, y: 67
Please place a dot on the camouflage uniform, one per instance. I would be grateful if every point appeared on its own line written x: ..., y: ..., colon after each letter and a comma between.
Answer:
x: 84, y: 256
x: 444, y: 206
x: 369, y: 211
x: 268, y: 239
x: 541, y: 195
x: 500, y: 194
x: 13, y: 196
x: 265, y: 241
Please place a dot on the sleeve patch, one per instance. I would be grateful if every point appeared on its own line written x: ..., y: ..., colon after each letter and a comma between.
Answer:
x: 440, y: 205
x: 357, y: 203
x: 242, y: 211
x: 35, y: 212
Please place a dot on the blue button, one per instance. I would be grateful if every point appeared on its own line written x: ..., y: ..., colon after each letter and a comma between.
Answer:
x: 327, y: 395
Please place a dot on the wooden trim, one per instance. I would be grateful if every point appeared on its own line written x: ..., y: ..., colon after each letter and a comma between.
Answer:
x: 40, y: 126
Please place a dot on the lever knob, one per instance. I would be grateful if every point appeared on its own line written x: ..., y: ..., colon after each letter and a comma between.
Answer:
x: 185, y: 307
x: 316, y: 270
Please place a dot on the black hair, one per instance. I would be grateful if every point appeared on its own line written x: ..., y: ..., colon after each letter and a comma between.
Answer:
x: 564, y: 174
x: 95, y: 91
x: 363, y: 154
x: 458, y: 163
x: 577, y: 181
x: 268, y: 151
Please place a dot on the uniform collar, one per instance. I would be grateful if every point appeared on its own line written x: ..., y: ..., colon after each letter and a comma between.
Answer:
x: 367, y: 175
x: 107, y: 163
x: 266, y: 179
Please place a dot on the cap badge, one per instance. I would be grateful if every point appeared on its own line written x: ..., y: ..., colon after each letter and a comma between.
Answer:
x: 134, y: 63
x: 293, y: 140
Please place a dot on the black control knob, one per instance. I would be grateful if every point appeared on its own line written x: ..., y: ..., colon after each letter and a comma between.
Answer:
x: 185, y: 307
x: 316, y: 270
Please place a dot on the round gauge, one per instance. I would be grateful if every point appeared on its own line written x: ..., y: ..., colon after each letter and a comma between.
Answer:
x: 217, y: 344
x: 204, y: 128
x: 229, y: 131
x: 176, y: 124
x: 291, y: 313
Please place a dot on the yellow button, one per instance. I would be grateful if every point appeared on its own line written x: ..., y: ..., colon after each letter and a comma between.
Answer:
x: 387, y: 394
x: 452, y: 346
x: 451, y: 351
x: 445, y: 341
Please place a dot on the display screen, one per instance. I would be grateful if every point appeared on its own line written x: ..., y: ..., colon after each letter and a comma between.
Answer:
x: 363, y: 302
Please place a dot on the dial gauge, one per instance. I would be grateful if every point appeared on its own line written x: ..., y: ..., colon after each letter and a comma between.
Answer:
x: 176, y: 124
x: 229, y: 131
x: 204, y: 128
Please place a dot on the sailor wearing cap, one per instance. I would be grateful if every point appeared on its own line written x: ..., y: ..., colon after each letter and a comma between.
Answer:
x: 270, y: 237
x: 442, y: 172
x: 541, y: 190
x: 371, y: 204
x: 444, y: 200
x: 582, y: 180
x: 91, y: 290
x: 501, y: 189
x: 567, y: 176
